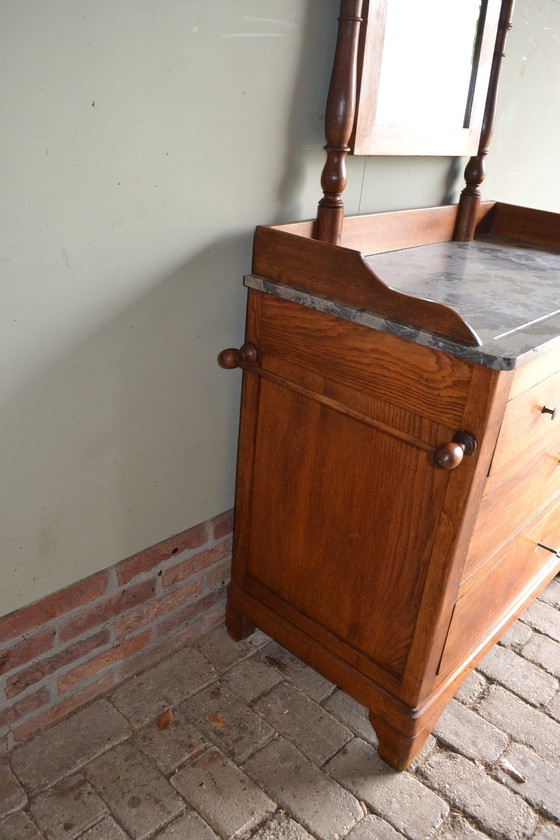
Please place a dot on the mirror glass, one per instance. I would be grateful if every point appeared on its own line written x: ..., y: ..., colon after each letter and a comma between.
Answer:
x: 409, y: 70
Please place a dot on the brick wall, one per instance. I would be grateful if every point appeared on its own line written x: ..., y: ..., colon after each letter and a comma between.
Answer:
x: 73, y: 645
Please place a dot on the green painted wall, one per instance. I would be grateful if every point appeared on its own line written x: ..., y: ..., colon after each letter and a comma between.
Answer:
x: 142, y: 141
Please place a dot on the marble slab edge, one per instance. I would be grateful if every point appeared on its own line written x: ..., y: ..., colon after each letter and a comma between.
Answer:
x: 503, y: 353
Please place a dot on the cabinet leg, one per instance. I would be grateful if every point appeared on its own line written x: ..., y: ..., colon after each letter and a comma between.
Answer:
x: 398, y: 750
x: 237, y: 625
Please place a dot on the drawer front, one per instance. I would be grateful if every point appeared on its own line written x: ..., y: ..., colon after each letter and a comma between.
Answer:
x: 422, y: 380
x: 529, y: 426
x: 505, y: 510
x: 508, y: 586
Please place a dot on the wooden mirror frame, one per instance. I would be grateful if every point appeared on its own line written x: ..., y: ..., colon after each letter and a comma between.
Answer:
x: 342, y: 104
x: 371, y: 135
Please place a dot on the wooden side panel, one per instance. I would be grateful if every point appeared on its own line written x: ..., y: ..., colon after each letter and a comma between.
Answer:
x: 482, y: 415
x: 340, y: 274
x: 328, y: 532
x: 540, y: 227
x: 421, y: 379
x: 375, y: 233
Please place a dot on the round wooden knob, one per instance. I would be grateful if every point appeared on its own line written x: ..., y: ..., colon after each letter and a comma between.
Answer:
x: 449, y: 455
x: 234, y: 357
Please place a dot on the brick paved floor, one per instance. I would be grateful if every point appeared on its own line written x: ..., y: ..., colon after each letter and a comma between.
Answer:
x: 259, y: 746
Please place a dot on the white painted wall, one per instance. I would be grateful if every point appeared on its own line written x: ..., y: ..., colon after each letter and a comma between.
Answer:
x: 142, y: 140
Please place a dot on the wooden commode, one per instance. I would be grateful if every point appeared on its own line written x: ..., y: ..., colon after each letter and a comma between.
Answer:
x: 398, y: 485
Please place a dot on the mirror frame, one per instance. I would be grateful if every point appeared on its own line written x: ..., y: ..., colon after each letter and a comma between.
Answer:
x: 372, y: 138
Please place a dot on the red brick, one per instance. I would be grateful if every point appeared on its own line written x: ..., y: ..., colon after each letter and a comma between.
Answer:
x: 164, y: 648
x: 219, y: 574
x: 25, y: 650
x: 222, y: 525
x: 196, y: 563
x: 215, y: 617
x: 24, y: 707
x: 151, y: 612
x: 146, y: 560
x: 188, y: 614
x: 65, y: 600
x: 23, y: 679
x: 62, y: 709
x: 103, y: 660
x: 98, y: 615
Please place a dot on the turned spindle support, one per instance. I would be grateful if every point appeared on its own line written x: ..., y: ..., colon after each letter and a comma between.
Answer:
x: 339, y: 122
x: 475, y: 171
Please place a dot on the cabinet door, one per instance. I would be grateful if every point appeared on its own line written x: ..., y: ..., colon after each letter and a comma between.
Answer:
x: 338, y: 522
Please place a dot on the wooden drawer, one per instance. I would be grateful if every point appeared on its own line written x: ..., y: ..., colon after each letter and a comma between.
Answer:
x: 422, y: 380
x: 521, y: 569
x: 505, y: 510
x: 526, y: 430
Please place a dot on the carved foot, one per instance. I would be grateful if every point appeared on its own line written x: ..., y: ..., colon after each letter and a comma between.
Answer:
x: 237, y: 625
x: 398, y: 750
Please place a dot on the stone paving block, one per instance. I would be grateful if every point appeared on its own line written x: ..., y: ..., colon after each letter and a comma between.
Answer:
x: 548, y: 832
x: 352, y: 714
x: 429, y: 746
x: 170, y: 748
x: 188, y: 827
x: 373, y: 827
x: 471, y: 689
x: 545, y: 652
x: 524, y: 723
x: 65, y: 747
x: 164, y: 686
x: 107, y: 829
x: 281, y: 827
x: 400, y: 799
x: 544, y: 618
x: 459, y: 829
x: 553, y: 707
x: 222, y: 794
x: 551, y: 595
x: 222, y: 651
x: 467, y: 787
x: 304, y: 722
x: 19, y: 826
x: 518, y: 675
x: 12, y: 795
x: 67, y: 810
x: 466, y: 732
x: 250, y: 678
x: 139, y: 797
x: 542, y: 788
x: 227, y: 722
x: 517, y: 636
x: 293, y: 669
x: 313, y: 798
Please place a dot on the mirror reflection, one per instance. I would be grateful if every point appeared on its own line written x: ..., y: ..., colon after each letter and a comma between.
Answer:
x: 427, y: 80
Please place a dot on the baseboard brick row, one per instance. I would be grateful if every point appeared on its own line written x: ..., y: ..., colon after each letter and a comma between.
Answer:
x: 67, y: 648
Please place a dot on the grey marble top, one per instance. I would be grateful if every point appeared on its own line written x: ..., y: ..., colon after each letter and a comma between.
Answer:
x: 506, y: 291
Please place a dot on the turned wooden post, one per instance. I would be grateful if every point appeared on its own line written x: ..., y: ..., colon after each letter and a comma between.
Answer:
x: 475, y: 171
x: 339, y: 122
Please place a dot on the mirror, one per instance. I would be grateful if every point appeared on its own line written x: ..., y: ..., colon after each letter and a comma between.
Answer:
x: 423, y: 74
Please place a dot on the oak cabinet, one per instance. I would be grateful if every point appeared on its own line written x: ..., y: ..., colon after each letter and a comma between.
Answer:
x: 398, y: 483
x: 357, y: 545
